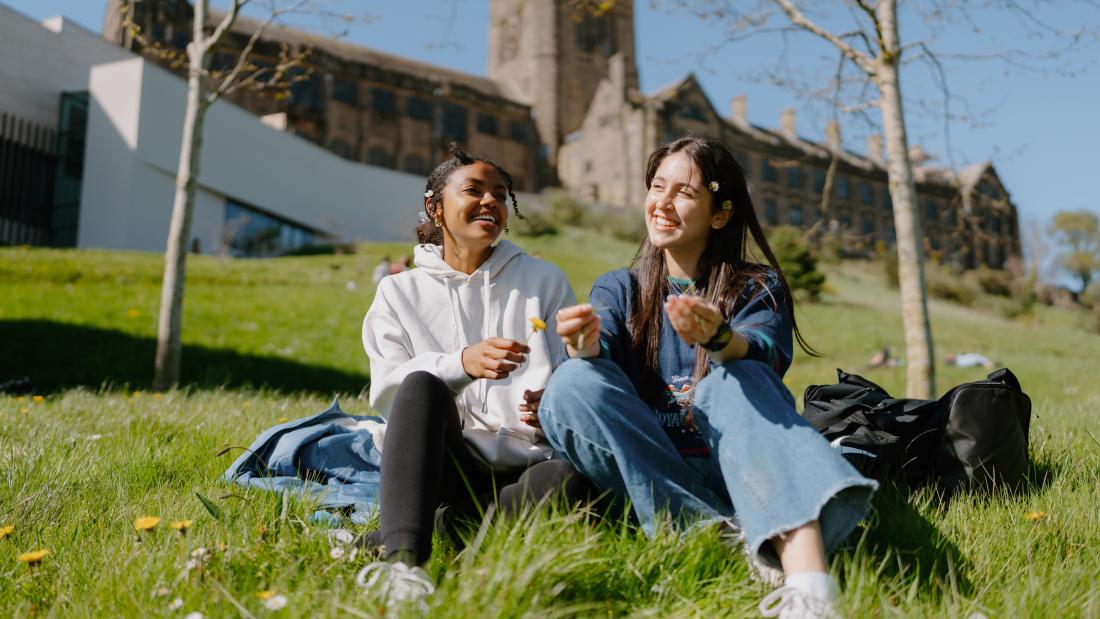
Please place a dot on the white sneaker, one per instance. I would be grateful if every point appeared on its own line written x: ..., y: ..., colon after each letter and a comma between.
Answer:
x: 790, y: 603
x: 396, y: 582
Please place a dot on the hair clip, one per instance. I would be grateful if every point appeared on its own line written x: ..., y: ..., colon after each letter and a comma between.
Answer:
x: 429, y: 193
x: 713, y: 185
x: 422, y: 217
x: 727, y: 205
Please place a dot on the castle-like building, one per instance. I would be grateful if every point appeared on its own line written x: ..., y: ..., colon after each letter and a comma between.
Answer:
x: 562, y: 106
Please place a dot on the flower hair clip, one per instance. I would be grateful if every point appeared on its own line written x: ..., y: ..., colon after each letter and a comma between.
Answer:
x: 727, y: 205
x: 713, y: 186
x: 429, y: 193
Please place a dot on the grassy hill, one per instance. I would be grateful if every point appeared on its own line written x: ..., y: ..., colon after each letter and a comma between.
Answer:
x: 273, y: 339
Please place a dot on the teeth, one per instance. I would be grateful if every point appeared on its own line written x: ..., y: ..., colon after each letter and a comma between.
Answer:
x: 488, y: 218
x: 661, y: 221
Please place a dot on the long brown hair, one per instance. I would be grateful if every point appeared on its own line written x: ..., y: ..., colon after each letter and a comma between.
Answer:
x: 727, y: 266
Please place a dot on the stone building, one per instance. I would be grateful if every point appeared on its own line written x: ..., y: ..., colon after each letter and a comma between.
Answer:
x: 562, y: 105
x: 967, y: 216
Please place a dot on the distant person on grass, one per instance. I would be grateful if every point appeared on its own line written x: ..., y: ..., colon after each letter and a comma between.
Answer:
x: 459, y: 356
x: 675, y: 396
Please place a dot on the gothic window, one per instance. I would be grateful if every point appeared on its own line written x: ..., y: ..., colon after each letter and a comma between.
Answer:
x: 304, y: 91
x: 487, y: 124
x: 819, y: 181
x: 383, y: 101
x: 341, y: 148
x: 691, y: 111
x: 345, y: 91
x: 454, y: 122
x: 930, y: 211
x: 418, y: 108
x: 380, y: 157
x: 770, y: 174
x: 866, y: 193
x: 843, y: 188
x: 594, y: 34
x: 415, y: 164
x: 794, y: 214
x: 794, y: 177
x: 771, y: 210
x: 517, y: 132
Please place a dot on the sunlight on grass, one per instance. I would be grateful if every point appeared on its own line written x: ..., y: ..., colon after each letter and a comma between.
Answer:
x: 277, y: 339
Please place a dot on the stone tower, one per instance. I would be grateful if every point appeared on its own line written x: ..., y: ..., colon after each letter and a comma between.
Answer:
x: 552, y: 55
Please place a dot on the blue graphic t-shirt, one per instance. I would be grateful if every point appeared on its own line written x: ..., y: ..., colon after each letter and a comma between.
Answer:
x: 761, y: 316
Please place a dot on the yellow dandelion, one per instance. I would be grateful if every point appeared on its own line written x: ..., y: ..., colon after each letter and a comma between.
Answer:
x: 156, y: 396
x: 38, y: 399
x: 133, y: 313
x: 537, y: 324
x: 146, y: 523
x: 21, y: 398
x: 33, y: 557
x: 25, y: 410
x: 136, y: 394
x: 1035, y: 516
x: 181, y: 525
x: 6, y: 531
x: 284, y: 419
x: 265, y: 595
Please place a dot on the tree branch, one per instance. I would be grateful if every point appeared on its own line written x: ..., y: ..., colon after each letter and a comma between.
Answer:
x: 799, y: 19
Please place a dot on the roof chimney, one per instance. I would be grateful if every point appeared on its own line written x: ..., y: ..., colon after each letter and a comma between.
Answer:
x: 832, y: 135
x: 918, y: 156
x: 739, y: 108
x: 874, y: 148
x: 787, y: 122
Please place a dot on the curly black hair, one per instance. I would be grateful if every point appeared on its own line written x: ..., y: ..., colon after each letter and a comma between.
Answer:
x: 429, y: 233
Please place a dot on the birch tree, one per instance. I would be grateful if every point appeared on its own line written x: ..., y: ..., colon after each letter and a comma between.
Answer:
x: 870, y: 41
x: 204, y: 87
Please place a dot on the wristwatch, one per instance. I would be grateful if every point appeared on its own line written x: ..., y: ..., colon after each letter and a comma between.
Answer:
x: 721, y: 338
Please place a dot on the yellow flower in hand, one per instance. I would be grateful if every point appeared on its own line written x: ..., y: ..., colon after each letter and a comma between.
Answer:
x: 537, y: 324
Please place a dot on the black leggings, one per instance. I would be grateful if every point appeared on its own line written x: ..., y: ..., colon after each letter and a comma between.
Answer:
x: 428, y: 472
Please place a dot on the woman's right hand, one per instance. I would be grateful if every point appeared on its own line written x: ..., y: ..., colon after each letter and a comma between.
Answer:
x: 494, y: 358
x: 579, y: 328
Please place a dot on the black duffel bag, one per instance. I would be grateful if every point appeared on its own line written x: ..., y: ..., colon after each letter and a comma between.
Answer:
x: 975, y: 436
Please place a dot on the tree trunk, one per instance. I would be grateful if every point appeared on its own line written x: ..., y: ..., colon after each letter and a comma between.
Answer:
x: 920, y: 366
x: 169, y: 323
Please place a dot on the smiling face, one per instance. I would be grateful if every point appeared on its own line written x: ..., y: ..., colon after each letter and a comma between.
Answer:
x: 679, y: 212
x: 474, y: 206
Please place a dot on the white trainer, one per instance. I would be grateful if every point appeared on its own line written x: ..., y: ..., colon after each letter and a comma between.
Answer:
x: 790, y: 603
x: 396, y: 582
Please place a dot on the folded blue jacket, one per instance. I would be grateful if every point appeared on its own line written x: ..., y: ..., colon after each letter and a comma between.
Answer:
x: 330, y: 456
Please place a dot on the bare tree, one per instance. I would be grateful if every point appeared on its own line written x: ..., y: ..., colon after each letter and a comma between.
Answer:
x: 204, y: 87
x: 872, y: 45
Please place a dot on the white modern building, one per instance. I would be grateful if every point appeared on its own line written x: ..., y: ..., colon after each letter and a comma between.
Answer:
x: 99, y: 129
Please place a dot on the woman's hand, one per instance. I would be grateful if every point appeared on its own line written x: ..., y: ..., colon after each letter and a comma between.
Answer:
x: 695, y: 319
x: 494, y: 358
x: 529, y: 409
x: 579, y: 328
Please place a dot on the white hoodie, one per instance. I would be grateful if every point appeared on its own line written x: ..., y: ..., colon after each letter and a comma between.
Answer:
x: 422, y: 319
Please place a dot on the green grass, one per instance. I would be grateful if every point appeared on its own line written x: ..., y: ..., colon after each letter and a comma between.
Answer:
x: 279, y: 338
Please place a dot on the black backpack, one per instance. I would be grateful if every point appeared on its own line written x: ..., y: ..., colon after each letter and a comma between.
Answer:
x: 975, y: 436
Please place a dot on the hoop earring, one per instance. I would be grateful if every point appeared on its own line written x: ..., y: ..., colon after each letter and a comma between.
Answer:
x: 505, y: 228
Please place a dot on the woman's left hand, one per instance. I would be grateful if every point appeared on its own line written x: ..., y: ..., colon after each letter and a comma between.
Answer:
x: 529, y: 409
x: 695, y: 319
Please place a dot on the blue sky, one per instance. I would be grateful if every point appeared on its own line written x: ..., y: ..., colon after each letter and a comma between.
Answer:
x: 1041, y: 130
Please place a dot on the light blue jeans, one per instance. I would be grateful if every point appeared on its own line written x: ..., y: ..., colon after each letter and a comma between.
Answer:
x: 768, y: 467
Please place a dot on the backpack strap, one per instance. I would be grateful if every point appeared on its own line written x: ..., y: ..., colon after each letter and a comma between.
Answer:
x: 1006, y: 377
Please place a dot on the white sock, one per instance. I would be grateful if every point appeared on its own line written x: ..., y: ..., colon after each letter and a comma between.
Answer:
x: 817, y: 585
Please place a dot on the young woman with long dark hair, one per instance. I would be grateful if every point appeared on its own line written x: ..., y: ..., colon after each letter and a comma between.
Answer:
x: 460, y: 350
x: 675, y: 397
